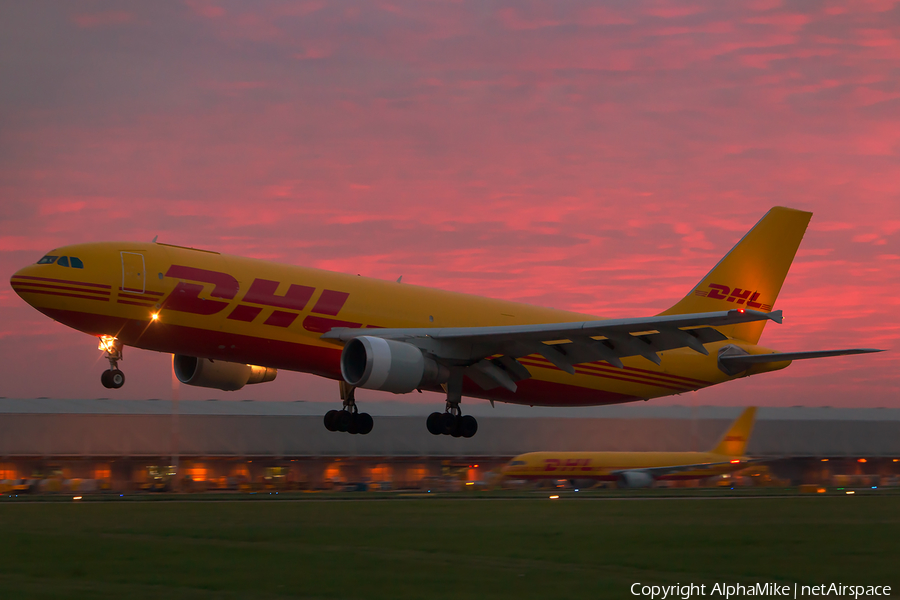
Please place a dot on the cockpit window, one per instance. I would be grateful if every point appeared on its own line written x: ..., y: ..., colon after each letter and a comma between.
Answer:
x: 63, y: 261
x: 517, y: 463
x: 47, y: 260
x: 76, y: 262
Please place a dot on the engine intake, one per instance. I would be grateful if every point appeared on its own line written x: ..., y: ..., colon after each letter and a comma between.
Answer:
x: 378, y: 364
x: 219, y: 374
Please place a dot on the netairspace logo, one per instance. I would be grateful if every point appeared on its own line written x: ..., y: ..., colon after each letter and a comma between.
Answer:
x: 729, y: 590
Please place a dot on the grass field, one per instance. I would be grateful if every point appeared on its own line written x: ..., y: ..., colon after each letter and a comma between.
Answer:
x: 440, y: 548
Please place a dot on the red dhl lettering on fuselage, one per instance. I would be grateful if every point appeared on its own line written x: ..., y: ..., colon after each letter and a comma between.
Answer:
x: 718, y: 291
x: 569, y: 465
x: 261, y: 294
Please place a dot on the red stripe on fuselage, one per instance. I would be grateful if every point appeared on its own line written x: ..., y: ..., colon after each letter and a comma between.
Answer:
x: 97, y: 285
x: 21, y: 290
x: 632, y: 379
x: 67, y: 288
x: 631, y: 371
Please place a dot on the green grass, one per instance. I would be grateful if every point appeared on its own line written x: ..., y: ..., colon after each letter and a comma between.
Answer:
x: 439, y: 548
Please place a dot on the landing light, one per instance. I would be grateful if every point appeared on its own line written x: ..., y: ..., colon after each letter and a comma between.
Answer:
x: 107, y: 344
x: 154, y: 316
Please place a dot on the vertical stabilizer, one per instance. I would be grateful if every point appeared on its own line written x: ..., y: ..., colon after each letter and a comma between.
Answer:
x: 734, y: 442
x: 751, y: 274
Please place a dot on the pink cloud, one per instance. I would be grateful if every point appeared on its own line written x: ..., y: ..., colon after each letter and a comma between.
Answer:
x: 572, y: 157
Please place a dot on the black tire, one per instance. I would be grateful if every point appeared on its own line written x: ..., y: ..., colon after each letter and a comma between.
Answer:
x: 450, y: 423
x: 117, y: 379
x: 468, y: 426
x: 342, y: 421
x: 106, y: 379
x: 435, y: 423
x: 365, y: 423
x: 353, y: 428
x: 331, y: 420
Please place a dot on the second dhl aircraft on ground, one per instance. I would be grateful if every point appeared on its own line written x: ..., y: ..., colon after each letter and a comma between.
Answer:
x: 230, y: 321
x: 639, y: 469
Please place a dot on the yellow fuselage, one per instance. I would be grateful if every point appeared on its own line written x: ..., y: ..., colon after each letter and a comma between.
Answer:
x: 604, y: 465
x: 251, y: 311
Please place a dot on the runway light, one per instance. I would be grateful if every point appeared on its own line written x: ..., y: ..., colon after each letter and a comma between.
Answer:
x: 861, y: 460
x: 820, y: 491
x: 470, y: 483
x: 735, y: 461
x: 851, y: 492
x: 76, y: 498
x: 554, y: 497
x: 824, y: 460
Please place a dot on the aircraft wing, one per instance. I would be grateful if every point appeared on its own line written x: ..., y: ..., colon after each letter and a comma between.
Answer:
x: 741, y: 362
x: 656, y: 472
x: 489, y: 353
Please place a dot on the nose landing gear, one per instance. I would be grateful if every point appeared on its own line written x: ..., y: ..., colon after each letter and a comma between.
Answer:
x: 112, y: 378
x: 348, y: 419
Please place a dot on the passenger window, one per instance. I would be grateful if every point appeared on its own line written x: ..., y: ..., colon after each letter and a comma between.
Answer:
x: 63, y: 261
x: 47, y: 260
x: 76, y: 262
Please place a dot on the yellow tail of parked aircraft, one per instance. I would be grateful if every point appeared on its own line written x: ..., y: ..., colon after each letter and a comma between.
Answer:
x: 229, y: 321
x: 639, y: 469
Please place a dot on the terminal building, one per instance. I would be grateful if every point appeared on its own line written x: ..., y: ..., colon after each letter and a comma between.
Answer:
x: 138, y: 444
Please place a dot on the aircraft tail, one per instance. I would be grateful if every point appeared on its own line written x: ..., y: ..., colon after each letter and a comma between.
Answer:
x: 751, y: 274
x: 734, y: 442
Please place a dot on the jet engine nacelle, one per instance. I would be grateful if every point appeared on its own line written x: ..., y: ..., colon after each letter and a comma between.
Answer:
x: 378, y: 364
x: 218, y: 374
x: 635, y: 479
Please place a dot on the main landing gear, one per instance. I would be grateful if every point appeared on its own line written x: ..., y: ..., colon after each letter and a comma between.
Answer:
x: 112, y: 378
x: 452, y: 421
x: 349, y: 418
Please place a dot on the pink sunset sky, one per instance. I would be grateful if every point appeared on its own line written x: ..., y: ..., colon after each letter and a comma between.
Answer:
x: 597, y: 157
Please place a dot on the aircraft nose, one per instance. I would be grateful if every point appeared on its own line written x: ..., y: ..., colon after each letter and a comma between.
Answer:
x: 20, y: 278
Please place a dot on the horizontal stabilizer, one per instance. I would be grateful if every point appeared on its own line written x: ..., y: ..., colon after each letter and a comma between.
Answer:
x: 742, y: 361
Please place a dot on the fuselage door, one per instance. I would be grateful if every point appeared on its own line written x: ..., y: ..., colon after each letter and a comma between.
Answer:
x: 133, y: 272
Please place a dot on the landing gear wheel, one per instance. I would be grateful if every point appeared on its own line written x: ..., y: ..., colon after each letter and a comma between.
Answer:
x: 449, y: 423
x: 116, y: 378
x: 467, y: 426
x: 435, y: 423
x: 343, y: 420
x: 348, y: 419
x: 364, y: 423
x: 106, y: 378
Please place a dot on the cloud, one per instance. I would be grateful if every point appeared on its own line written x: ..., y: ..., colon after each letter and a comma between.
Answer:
x: 594, y: 158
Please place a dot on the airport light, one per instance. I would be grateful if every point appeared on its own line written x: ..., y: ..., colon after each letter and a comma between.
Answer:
x: 861, y: 460
x: 850, y: 492
x: 76, y: 498
x: 554, y: 497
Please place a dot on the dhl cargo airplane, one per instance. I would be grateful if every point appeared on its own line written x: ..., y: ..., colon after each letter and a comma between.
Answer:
x: 639, y: 469
x: 229, y: 321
